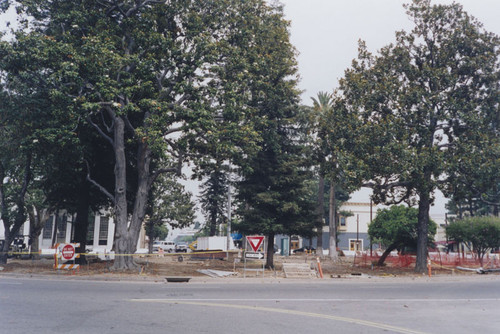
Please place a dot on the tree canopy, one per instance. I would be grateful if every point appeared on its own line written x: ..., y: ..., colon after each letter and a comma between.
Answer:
x: 480, y: 234
x: 273, y: 193
x: 397, y: 229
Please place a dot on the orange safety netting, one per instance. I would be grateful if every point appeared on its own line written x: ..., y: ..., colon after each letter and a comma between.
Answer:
x: 438, y: 259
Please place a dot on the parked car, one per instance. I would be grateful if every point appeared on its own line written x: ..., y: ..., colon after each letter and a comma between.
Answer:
x: 167, y: 246
x: 181, y: 247
x: 308, y: 249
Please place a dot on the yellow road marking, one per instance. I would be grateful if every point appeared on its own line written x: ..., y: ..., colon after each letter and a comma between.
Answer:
x: 284, y: 311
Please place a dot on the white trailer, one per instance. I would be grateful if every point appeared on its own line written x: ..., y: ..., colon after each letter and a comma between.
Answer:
x: 214, y: 243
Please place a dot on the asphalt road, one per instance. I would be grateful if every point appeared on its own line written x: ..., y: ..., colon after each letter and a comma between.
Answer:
x: 336, y: 306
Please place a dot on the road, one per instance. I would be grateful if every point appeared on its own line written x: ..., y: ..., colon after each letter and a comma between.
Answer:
x: 53, y: 305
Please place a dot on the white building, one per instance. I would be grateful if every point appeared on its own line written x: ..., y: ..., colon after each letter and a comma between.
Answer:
x: 100, y: 233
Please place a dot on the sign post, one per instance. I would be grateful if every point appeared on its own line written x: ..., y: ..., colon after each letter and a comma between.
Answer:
x: 67, y: 252
x: 257, y: 244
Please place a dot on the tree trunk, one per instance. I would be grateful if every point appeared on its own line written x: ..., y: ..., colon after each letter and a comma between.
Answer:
x: 11, y: 227
x: 127, y: 235
x: 53, y: 240
x: 423, y: 232
x: 150, y: 245
x: 320, y: 209
x: 386, y: 254
x: 5, y: 249
x: 332, y: 224
x: 270, y: 251
x: 213, y: 223
x: 82, y: 221
x: 37, y: 223
x: 122, y: 243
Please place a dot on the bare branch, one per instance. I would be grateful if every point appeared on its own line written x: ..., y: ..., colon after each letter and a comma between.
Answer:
x: 387, y: 185
x: 102, y: 133
x: 129, y: 125
x: 177, y: 170
x: 101, y: 188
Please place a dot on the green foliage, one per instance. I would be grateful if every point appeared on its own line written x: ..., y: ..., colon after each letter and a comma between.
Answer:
x: 479, y: 233
x: 334, y: 130
x: 213, y: 198
x: 156, y: 231
x: 273, y: 193
x: 169, y: 204
x: 397, y: 227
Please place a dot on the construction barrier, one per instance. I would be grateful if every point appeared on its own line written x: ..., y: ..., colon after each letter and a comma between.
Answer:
x: 66, y: 252
x: 438, y: 260
x: 68, y: 266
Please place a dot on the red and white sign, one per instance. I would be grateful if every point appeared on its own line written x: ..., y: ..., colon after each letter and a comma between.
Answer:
x: 255, y: 242
x: 68, y: 252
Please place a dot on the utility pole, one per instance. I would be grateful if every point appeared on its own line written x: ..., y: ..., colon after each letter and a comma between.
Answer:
x: 357, y: 232
x: 229, y: 210
x: 371, y: 216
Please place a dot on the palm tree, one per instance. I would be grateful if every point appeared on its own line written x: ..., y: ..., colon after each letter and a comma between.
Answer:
x: 322, y: 106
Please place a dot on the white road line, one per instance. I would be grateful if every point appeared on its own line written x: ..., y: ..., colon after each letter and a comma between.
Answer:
x: 289, y: 312
x: 399, y: 300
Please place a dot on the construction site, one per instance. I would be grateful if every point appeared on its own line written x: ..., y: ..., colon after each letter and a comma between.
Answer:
x: 233, y: 264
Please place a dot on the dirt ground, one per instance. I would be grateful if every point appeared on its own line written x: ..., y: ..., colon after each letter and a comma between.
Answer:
x: 186, y: 266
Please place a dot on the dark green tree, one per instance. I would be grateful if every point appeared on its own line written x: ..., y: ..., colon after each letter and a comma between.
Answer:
x: 273, y: 193
x: 24, y: 109
x: 480, y: 234
x: 397, y: 229
x: 62, y: 143
x: 420, y: 99
x: 214, y: 198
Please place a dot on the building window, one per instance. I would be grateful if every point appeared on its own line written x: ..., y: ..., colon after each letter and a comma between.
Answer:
x: 47, y: 228
x: 342, y: 221
x: 103, y: 231
x: 355, y: 245
x: 90, y: 231
x: 61, y: 228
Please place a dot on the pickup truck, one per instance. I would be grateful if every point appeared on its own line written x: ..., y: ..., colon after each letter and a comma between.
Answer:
x: 181, y: 247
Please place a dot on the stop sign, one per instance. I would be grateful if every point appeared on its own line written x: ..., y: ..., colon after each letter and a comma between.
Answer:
x: 68, y: 252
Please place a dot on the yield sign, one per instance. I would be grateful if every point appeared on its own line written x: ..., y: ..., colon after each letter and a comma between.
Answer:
x: 255, y: 242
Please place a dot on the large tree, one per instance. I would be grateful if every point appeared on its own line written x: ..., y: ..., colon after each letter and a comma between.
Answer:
x: 24, y: 109
x: 480, y: 234
x: 334, y: 129
x: 421, y: 98
x: 273, y: 192
x: 397, y: 229
x: 148, y: 76
x: 61, y: 144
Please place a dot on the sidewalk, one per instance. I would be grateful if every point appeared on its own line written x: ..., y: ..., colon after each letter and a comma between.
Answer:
x: 239, y: 279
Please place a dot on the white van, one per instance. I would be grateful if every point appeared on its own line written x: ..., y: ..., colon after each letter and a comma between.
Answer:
x: 167, y: 246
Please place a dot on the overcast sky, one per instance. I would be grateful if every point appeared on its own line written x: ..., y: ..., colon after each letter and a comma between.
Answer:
x: 326, y: 33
